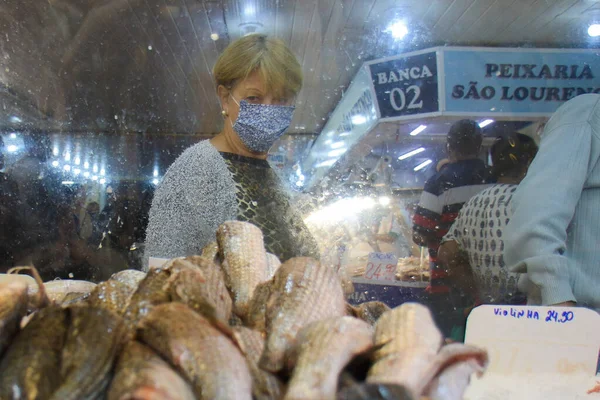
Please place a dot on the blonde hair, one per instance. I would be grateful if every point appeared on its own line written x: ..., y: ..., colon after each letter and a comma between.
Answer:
x: 273, y: 60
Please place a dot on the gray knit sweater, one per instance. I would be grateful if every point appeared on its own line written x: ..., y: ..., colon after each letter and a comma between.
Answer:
x: 204, y: 188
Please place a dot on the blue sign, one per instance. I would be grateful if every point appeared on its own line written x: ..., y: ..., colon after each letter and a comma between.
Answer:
x: 517, y: 82
x: 406, y: 85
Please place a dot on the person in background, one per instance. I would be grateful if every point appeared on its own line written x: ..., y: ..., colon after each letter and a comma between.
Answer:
x: 443, y: 196
x: 472, y: 249
x: 90, y: 227
x: 228, y: 177
x: 553, y: 235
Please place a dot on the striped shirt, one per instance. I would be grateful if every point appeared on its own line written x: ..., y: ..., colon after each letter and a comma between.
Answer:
x: 443, y: 196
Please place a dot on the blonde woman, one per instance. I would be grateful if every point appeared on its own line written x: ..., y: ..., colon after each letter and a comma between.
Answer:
x: 228, y: 177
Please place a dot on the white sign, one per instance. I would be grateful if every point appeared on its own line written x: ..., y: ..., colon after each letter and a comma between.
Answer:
x: 522, y: 339
x: 381, y: 267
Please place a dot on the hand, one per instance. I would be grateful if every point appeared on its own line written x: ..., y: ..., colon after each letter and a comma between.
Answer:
x: 564, y: 304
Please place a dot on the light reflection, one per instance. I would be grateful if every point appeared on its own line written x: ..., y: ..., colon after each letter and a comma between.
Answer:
x: 485, y: 123
x: 341, y: 210
x: 335, y: 153
x: 67, y: 167
x: 12, y: 148
x: 77, y: 161
x: 337, y: 145
x: 359, y: 119
x: 398, y: 30
x: 418, y: 130
x: 411, y: 153
x: 422, y: 165
x: 594, y: 30
x: 86, y: 165
x: 55, y: 163
x: 327, y: 163
x: 385, y: 201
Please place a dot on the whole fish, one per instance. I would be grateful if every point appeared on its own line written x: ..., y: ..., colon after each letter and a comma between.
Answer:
x: 57, y: 290
x: 201, y: 353
x: 30, y: 368
x: 265, y: 386
x: 303, y: 291
x: 199, y: 283
x: 111, y: 295
x: 323, y: 349
x: 453, y: 367
x: 13, y: 307
x: 142, y: 375
x: 257, y: 309
x: 94, y: 339
x: 244, y: 261
x: 130, y: 277
x: 410, y: 342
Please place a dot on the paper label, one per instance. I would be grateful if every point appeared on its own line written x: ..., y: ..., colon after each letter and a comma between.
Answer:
x: 526, y: 339
x: 381, y: 267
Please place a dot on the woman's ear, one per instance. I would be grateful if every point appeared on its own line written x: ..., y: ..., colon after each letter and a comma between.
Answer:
x: 223, y: 94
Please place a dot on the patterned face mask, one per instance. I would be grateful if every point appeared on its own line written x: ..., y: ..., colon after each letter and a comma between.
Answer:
x: 260, y: 125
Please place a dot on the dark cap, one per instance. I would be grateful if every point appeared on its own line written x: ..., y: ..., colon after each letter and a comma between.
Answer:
x: 465, y: 137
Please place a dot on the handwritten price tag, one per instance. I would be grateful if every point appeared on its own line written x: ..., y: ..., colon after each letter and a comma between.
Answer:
x: 381, y: 267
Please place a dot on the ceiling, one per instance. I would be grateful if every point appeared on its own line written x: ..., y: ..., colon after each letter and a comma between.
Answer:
x: 145, y: 65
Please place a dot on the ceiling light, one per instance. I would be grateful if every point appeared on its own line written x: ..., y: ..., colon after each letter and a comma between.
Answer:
x: 418, y: 130
x: 95, y: 169
x: 55, y: 163
x: 214, y: 36
x: 422, y: 165
x: 102, y: 172
x: 411, y: 153
x: 77, y: 161
x: 344, y: 134
x: 337, y: 145
x: 249, y: 11
x: 15, y: 119
x: 398, y: 30
x: 68, y: 157
x: 102, y: 181
x: 12, y: 148
x: 67, y: 167
x: 13, y: 135
x: 594, y: 30
x: 385, y: 201
x: 86, y: 165
x: 55, y: 151
x: 155, y: 181
x: 94, y: 178
x: 68, y: 182
x: 359, y: 119
x: 336, y: 153
x: 76, y: 171
x: 86, y: 174
x: 155, y: 173
x: 485, y: 123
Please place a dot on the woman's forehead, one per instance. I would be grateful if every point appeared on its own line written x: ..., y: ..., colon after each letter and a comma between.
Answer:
x: 256, y: 82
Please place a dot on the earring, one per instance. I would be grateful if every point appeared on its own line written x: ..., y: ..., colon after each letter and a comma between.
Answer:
x: 224, y: 113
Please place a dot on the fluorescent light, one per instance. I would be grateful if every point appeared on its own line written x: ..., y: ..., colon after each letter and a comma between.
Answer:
x: 86, y: 174
x: 337, y: 145
x: 94, y: 178
x: 359, y: 119
x: 68, y: 182
x: 77, y: 161
x: 55, y: 163
x: 418, y: 130
x: 67, y: 167
x: 155, y: 181
x: 485, y: 123
x: 594, y: 30
x: 327, y: 163
x: 344, y: 134
x: 102, y: 181
x: 336, y: 153
x: 422, y: 165
x: 95, y: 169
x: 68, y: 156
x: 328, y: 141
x: 411, y: 153
x: 13, y: 135
x: 398, y: 30
x: 15, y: 119
x: 12, y: 148
x: 55, y: 151
x: 155, y: 172
x: 86, y: 165
x: 385, y: 201
x: 76, y: 171
x: 249, y: 11
x: 102, y: 172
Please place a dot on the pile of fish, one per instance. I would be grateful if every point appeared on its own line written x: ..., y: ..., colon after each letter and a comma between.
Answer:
x: 231, y: 323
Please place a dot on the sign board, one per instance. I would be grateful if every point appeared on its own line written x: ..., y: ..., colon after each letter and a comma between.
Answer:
x: 406, y: 85
x: 516, y: 82
x: 525, y: 339
x: 381, y: 267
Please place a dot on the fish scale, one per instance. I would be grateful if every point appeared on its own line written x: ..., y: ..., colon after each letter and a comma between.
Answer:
x: 323, y: 349
x: 265, y: 386
x: 205, y: 356
x: 244, y: 261
x: 111, y: 295
x: 303, y: 291
x: 410, y: 341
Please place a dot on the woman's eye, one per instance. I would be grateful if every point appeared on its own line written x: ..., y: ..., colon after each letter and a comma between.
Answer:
x: 253, y: 99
